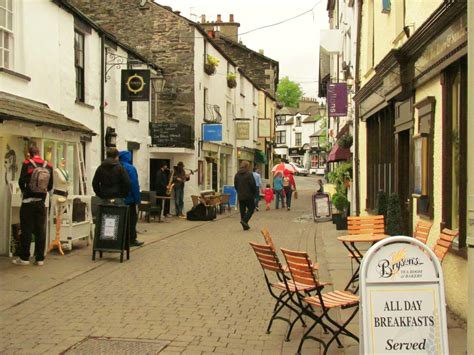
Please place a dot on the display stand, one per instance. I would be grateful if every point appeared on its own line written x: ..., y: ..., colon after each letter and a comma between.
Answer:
x: 322, y: 210
x: 112, y: 231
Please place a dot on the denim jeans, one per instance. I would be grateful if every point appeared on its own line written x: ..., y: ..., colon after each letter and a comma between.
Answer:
x: 288, y: 194
x: 33, y: 221
x: 257, y: 197
x: 178, y: 200
x: 278, y: 196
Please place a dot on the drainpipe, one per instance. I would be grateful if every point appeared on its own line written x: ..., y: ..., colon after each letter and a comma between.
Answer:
x: 102, y: 96
x: 470, y: 185
x: 356, y: 112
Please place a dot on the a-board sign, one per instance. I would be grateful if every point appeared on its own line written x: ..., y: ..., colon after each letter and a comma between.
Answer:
x: 321, y: 207
x: 229, y: 189
x: 111, y: 230
x: 402, y: 299
x: 171, y: 134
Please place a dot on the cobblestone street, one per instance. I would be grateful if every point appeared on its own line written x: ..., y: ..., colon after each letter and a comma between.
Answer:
x: 196, y: 291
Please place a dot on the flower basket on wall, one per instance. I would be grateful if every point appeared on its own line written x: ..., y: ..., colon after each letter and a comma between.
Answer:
x: 211, y: 64
x: 231, y: 80
x: 345, y: 141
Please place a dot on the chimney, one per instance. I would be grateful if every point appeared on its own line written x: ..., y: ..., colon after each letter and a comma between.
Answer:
x: 203, y: 18
x: 210, y: 33
x: 231, y: 18
x: 219, y: 18
x: 261, y: 51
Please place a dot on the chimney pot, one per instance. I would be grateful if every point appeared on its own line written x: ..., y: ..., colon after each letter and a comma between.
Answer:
x: 203, y: 18
x: 219, y: 18
x: 210, y: 33
x: 231, y: 18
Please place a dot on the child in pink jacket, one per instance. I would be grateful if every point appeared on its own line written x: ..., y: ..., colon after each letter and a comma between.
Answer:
x: 268, y: 196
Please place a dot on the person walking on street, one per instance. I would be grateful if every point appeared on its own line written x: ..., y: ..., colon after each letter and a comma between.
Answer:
x: 161, y: 185
x: 278, y: 188
x: 36, y: 179
x: 179, y: 179
x: 289, y: 186
x: 321, y: 186
x: 111, y: 181
x: 258, y: 182
x: 246, y: 187
x: 268, y: 196
x: 133, y: 198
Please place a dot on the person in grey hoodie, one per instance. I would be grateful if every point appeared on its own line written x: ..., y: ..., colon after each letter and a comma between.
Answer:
x: 246, y: 187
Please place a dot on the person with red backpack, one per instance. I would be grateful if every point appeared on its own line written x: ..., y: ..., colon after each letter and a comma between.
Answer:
x: 36, y: 179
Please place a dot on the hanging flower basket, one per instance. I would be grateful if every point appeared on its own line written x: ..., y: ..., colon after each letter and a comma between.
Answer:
x: 231, y: 80
x: 211, y: 64
x: 209, y: 69
x: 345, y: 141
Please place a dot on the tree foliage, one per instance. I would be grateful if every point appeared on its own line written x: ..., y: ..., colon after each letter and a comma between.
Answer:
x: 289, y: 92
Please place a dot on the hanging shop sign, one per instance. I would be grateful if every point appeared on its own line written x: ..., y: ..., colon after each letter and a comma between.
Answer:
x: 242, y: 130
x: 171, y: 134
x: 264, y: 128
x: 402, y: 299
x: 212, y: 132
x: 337, y: 99
x: 135, y: 85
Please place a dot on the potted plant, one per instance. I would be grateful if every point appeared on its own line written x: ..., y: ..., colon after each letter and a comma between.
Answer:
x: 381, y: 208
x: 345, y: 141
x: 231, y: 80
x: 394, y: 212
x: 211, y: 64
x: 341, y: 203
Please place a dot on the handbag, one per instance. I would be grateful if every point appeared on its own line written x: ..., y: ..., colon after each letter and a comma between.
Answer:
x: 295, y: 193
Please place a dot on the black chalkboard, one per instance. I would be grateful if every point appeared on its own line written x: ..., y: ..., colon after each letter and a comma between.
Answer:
x: 322, y: 210
x: 111, y: 231
x: 171, y: 134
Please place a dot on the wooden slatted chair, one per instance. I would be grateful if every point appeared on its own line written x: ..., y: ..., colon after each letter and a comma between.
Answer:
x: 302, y: 275
x: 422, y: 231
x: 444, y: 242
x: 365, y: 225
x: 269, y: 240
x: 280, y: 287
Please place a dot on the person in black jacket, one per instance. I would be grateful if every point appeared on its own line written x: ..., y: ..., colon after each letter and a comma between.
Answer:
x: 111, y: 181
x: 33, y: 210
x: 161, y: 184
x: 246, y: 187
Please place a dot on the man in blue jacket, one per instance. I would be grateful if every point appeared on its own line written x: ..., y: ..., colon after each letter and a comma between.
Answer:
x: 133, y: 197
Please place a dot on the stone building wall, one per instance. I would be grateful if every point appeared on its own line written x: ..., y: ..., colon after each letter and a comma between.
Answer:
x: 160, y: 34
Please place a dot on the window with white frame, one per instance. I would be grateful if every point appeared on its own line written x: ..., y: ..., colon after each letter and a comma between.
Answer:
x: 79, y: 65
x: 298, y: 121
x: 297, y: 139
x: 281, y: 137
x: 280, y: 120
x: 6, y: 33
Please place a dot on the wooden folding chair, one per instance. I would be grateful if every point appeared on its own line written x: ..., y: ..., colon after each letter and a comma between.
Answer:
x: 304, y: 279
x: 365, y: 225
x: 444, y: 242
x: 269, y: 240
x: 279, y: 286
x: 422, y: 231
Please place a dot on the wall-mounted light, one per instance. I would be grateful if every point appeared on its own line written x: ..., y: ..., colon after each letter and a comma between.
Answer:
x: 110, y: 138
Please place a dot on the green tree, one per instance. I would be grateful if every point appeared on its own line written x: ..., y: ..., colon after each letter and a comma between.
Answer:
x: 289, y: 92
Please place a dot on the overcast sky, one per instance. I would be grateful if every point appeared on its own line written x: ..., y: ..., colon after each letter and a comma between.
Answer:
x: 295, y: 43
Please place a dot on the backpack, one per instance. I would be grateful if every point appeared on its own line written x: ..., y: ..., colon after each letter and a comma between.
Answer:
x: 39, y: 178
x: 286, y: 181
x: 201, y: 213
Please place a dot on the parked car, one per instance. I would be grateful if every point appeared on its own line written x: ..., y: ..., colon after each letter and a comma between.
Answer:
x: 300, y: 170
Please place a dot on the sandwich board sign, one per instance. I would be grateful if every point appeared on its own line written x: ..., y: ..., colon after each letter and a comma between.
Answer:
x: 402, y: 299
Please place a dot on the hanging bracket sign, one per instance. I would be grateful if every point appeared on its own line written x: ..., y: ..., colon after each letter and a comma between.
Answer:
x: 402, y: 299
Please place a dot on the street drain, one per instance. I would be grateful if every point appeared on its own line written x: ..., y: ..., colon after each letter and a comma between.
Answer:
x: 96, y: 345
x: 304, y: 218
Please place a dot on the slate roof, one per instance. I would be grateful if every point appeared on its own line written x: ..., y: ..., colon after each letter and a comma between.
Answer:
x: 287, y: 111
x: 18, y: 108
x: 311, y: 119
x: 318, y: 133
x: 290, y: 121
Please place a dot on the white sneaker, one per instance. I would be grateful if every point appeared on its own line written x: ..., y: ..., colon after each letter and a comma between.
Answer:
x: 18, y: 261
x: 39, y: 263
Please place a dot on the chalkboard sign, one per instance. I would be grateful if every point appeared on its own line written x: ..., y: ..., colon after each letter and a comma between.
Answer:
x: 230, y: 190
x: 321, y: 207
x: 171, y: 134
x: 111, y: 231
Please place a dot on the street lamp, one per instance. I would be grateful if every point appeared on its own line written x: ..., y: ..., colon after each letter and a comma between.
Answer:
x: 159, y: 82
x: 322, y: 111
x: 110, y: 138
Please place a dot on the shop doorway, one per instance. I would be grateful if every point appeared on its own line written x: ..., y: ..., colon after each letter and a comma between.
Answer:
x: 403, y: 179
x: 154, y: 167
x: 214, y: 176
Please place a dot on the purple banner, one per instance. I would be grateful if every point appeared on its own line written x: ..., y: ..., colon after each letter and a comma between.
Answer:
x: 337, y: 99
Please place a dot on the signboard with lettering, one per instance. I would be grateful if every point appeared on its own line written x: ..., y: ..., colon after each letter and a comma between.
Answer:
x: 264, y: 128
x: 212, y: 132
x: 242, y: 130
x: 322, y: 211
x: 402, y: 299
x: 135, y: 85
x: 296, y: 151
x: 337, y: 99
x: 171, y: 134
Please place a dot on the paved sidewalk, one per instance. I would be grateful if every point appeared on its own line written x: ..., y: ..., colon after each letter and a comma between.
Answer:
x: 195, y: 287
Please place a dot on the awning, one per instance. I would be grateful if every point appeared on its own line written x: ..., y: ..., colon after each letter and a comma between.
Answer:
x: 339, y: 154
x: 17, y: 108
x: 260, y: 157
